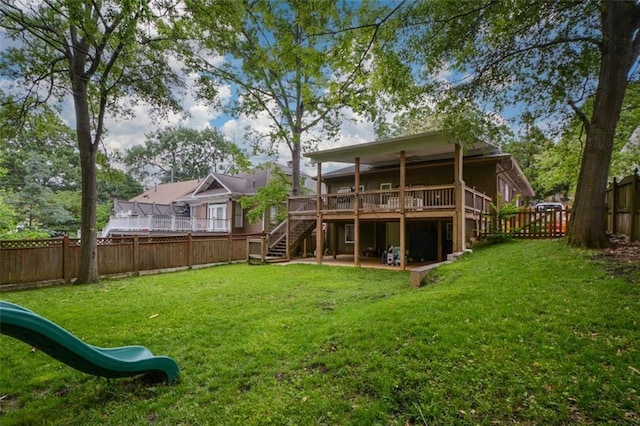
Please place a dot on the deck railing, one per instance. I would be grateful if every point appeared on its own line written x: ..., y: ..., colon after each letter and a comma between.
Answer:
x: 165, y: 224
x: 415, y: 199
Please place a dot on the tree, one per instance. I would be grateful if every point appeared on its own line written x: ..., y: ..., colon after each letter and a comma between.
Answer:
x: 178, y: 153
x: 44, y: 134
x: 559, y: 165
x: 543, y: 57
x: 301, y: 63
x: 35, y: 202
x: 94, y: 54
x: 273, y: 194
x: 529, y: 150
x: 8, y: 215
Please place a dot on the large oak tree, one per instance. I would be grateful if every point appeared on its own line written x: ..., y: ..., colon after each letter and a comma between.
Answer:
x: 93, y: 55
x: 302, y: 63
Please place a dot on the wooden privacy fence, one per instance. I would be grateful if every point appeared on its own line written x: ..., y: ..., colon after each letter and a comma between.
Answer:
x: 623, y: 207
x: 27, y: 263
x: 526, y: 224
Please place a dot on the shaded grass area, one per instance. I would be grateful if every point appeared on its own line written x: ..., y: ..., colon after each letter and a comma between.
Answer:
x: 524, y: 332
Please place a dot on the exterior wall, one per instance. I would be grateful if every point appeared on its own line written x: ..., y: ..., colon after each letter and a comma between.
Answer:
x: 246, y: 228
x: 421, y: 243
x: 507, y: 190
x: 480, y: 176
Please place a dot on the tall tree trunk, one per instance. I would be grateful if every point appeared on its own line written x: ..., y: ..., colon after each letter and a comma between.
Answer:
x: 619, y: 25
x: 88, y: 272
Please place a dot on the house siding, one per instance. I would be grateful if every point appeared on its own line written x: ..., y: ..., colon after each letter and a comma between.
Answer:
x: 480, y: 176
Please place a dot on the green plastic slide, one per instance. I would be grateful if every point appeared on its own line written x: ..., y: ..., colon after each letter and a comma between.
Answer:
x: 23, y: 324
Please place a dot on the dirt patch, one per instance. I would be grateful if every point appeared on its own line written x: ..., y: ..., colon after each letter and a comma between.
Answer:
x: 622, y: 257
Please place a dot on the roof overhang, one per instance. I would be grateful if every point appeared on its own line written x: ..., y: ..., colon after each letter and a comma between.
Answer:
x: 418, y: 148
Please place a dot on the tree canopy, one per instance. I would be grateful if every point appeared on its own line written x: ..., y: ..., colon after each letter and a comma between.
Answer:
x: 92, y: 55
x: 175, y: 154
x: 303, y: 64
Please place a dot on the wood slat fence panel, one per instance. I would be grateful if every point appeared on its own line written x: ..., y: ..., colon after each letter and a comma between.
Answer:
x: 29, y: 263
x: 527, y: 224
x: 623, y: 207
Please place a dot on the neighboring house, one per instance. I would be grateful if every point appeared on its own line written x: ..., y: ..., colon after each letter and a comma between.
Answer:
x: 423, y: 194
x: 208, y: 205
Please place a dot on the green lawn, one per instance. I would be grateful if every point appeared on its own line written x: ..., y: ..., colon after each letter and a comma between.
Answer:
x: 523, y: 332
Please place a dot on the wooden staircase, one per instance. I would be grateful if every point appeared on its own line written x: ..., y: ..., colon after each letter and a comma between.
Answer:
x: 299, y: 230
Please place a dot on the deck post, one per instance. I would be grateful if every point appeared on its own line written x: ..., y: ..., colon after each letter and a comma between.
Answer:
x: 439, y: 254
x: 458, y: 217
x: 356, y: 220
x: 401, y: 199
x: 319, y: 234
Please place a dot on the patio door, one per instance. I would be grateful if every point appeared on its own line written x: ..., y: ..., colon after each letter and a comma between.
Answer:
x: 217, y: 215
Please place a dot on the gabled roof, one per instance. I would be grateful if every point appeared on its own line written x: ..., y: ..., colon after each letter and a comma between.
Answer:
x: 213, y: 185
x: 167, y: 193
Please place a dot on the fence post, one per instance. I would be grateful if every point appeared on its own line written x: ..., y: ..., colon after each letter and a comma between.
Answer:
x: 229, y: 247
x: 135, y: 255
x: 65, y: 259
x: 633, y: 232
x: 189, y: 250
x: 614, y: 207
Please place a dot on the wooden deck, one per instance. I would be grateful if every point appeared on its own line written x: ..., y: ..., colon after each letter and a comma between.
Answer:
x: 422, y: 202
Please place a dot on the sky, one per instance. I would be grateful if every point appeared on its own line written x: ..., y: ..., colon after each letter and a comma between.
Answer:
x: 124, y: 134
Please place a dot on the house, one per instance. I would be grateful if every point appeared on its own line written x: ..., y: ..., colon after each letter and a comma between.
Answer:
x: 424, y: 195
x: 209, y: 205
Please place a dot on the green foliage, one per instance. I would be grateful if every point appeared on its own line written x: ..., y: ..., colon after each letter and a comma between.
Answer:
x: 559, y: 164
x: 176, y: 154
x: 273, y: 195
x: 301, y: 64
x: 41, y: 178
x: 489, y: 59
x: 8, y: 216
x: 501, y: 214
x: 36, y: 202
x: 104, y: 58
x: 529, y: 149
x: 47, y: 136
x: 530, y: 332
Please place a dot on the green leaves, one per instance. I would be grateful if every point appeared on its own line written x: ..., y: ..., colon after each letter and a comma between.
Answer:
x: 298, y: 62
x: 273, y: 195
x: 175, y: 154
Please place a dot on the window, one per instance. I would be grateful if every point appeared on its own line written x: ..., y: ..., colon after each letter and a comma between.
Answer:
x: 384, y: 197
x: 348, y: 233
x: 239, y: 213
x: 217, y: 218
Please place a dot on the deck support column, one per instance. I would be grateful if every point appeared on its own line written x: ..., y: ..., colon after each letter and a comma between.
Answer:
x: 401, y: 198
x: 459, y: 216
x: 319, y: 233
x: 439, y: 254
x: 356, y: 221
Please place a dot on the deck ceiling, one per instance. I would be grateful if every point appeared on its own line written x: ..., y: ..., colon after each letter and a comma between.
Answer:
x: 417, y: 148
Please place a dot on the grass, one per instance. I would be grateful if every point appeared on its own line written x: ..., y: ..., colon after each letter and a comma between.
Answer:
x: 524, y: 332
